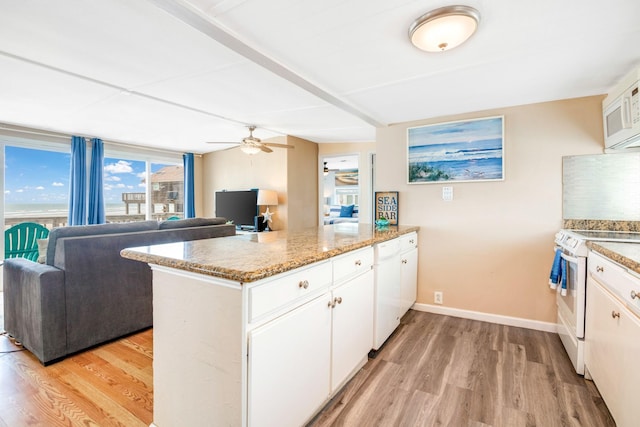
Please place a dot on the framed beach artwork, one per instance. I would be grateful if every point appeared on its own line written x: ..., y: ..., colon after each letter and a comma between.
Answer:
x: 462, y: 151
x: 346, y: 177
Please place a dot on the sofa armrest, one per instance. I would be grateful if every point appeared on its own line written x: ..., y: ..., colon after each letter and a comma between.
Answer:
x: 34, y: 307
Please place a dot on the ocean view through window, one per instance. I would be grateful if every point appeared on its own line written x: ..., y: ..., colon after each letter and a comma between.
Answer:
x: 36, y: 188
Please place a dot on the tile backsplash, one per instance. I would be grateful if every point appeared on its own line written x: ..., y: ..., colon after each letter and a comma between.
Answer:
x: 602, y: 187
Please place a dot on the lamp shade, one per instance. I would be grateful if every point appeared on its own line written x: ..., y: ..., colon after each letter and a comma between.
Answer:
x: 267, y: 197
x: 445, y: 28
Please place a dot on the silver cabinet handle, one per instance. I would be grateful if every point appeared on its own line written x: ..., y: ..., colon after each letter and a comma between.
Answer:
x: 303, y: 284
x: 615, y: 314
x: 599, y: 269
x: 404, y: 261
x: 336, y: 300
x: 635, y: 294
x: 412, y: 241
x: 358, y: 263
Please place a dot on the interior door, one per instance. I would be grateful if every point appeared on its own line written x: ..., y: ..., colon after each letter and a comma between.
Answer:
x: 339, y: 185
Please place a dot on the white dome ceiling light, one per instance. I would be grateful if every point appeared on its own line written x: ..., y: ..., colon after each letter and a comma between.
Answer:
x: 444, y: 28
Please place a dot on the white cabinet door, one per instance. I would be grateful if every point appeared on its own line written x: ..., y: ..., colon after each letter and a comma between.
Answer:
x: 289, y: 365
x: 408, y: 280
x: 387, y: 299
x: 352, y: 326
x: 612, y: 351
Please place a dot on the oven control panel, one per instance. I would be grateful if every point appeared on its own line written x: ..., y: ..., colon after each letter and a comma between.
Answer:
x: 571, y: 243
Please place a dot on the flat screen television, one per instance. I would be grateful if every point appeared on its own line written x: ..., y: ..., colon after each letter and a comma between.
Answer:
x: 238, y: 206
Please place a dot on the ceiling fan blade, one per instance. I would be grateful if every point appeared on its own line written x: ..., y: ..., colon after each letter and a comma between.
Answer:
x: 251, y: 141
x: 273, y: 144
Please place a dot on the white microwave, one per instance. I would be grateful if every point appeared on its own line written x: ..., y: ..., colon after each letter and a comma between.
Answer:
x: 621, y: 114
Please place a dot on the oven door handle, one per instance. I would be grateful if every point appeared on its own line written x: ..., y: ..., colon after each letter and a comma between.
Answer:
x: 568, y: 258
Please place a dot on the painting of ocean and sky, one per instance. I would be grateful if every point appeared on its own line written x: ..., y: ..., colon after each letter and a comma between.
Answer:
x: 468, y: 150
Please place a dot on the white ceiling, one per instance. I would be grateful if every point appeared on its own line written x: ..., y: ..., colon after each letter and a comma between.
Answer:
x: 174, y: 74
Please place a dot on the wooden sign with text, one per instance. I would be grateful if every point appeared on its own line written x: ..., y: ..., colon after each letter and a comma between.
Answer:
x: 387, y: 206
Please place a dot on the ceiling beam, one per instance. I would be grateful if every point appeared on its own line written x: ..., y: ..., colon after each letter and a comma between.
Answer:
x: 196, y: 20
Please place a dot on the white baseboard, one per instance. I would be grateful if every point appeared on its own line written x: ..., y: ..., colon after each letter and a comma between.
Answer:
x: 487, y: 317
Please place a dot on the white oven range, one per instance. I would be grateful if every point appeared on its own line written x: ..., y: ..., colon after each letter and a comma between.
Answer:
x: 571, y: 304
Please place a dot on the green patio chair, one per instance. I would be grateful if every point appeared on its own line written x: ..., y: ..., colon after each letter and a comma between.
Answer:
x: 21, y: 240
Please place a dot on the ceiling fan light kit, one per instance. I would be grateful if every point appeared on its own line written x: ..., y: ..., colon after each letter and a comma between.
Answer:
x: 249, y: 149
x: 252, y: 145
x: 444, y: 28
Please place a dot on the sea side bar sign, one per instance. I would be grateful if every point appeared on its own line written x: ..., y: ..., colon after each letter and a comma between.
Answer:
x: 387, y: 206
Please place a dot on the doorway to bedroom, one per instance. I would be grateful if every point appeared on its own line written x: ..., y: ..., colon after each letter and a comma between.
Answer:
x: 340, y: 189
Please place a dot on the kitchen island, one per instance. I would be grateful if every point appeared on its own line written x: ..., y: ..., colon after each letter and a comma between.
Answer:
x: 262, y: 328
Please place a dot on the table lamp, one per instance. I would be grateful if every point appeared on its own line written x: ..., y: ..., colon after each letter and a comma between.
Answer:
x: 267, y: 198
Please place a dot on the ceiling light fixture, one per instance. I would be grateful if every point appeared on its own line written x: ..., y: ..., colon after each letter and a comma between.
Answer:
x: 249, y: 149
x: 325, y: 171
x: 444, y: 28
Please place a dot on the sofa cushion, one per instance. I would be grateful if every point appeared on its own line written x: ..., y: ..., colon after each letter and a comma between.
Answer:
x: 346, y: 211
x: 190, y: 222
x: 91, y: 230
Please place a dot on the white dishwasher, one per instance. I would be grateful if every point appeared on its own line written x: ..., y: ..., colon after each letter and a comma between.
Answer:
x: 387, y: 309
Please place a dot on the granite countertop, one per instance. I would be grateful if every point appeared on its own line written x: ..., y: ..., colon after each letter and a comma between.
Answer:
x: 625, y: 254
x: 249, y: 257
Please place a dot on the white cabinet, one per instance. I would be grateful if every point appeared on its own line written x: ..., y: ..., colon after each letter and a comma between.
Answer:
x: 408, y: 271
x: 297, y: 360
x: 352, y: 326
x: 289, y: 366
x: 275, y: 295
x: 612, y: 338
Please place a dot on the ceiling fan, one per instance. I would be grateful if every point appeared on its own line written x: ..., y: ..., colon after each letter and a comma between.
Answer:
x: 253, y: 145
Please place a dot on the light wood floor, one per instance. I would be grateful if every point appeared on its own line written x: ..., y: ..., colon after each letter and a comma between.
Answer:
x: 434, y: 371
x: 110, y: 385
x: 445, y: 371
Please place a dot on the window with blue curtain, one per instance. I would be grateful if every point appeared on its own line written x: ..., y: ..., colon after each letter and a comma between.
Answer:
x: 189, y: 192
x: 78, y: 182
x: 74, y: 174
x: 96, y: 189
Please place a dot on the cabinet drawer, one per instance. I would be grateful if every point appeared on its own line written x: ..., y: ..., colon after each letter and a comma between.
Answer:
x: 352, y: 264
x: 616, y: 279
x: 300, y: 283
x: 408, y: 242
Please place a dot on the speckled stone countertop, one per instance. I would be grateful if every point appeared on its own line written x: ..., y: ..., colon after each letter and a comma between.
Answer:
x: 601, y: 224
x: 626, y: 254
x: 249, y: 257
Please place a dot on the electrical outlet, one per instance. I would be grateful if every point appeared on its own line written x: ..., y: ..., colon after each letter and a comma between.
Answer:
x: 437, y: 297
